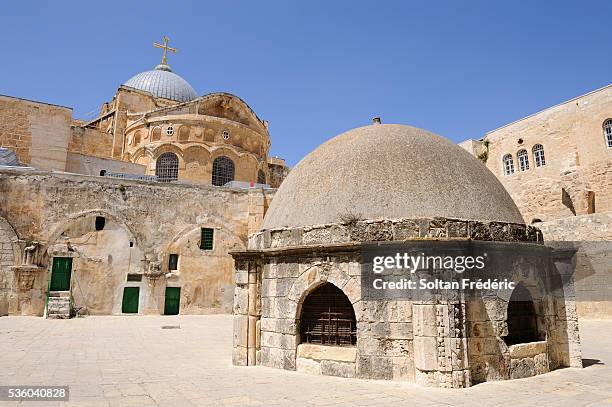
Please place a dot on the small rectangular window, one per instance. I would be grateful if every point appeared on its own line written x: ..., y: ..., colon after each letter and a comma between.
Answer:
x: 134, y: 277
x: 206, y: 239
x: 100, y: 222
x: 590, y: 202
x: 173, y: 262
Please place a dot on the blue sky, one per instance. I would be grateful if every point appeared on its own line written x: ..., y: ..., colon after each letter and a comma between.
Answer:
x: 314, y: 69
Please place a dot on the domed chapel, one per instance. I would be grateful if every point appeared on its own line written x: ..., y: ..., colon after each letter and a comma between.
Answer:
x: 301, y: 302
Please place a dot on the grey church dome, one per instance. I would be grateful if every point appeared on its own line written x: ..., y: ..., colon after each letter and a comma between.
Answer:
x: 163, y: 83
x: 389, y: 171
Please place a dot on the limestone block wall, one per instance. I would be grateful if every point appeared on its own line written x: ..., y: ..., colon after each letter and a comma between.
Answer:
x: 577, y: 158
x: 278, y: 171
x: 267, y: 306
x: 37, y: 132
x: 591, y: 235
x: 89, y: 141
x: 145, y: 223
x: 130, y: 100
x: 8, y: 240
x: 101, y: 261
x: 90, y: 165
x: 441, y: 342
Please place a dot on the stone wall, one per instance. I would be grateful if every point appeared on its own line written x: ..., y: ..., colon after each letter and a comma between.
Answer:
x: 278, y: 171
x: 37, y: 132
x: 90, y: 165
x: 92, y: 142
x: 591, y: 235
x: 578, y: 160
x: 8, y: 240
x: 434, y: 342
x: 145, y: 223
x: 576, y: 180
x: 394, y: 230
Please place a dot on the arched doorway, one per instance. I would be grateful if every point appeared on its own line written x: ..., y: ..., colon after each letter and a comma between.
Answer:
x: 166, y: 167
x: 328, y: 318
x: 522, y: 317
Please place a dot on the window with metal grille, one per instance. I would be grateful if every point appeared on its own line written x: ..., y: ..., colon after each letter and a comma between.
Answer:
x: 508, y: 164
x: 166, y: 167
x: 523, y: 160
x: 261, y: 177
x: 173, y: 262
x: 522, y: 317
x: 222, y: 171
x: 608, y: 132
x: 207, y: 238
x: 538, y: 155
x: 328, y: 318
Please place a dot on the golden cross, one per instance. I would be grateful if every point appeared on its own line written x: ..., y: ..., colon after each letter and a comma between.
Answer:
x: 165, y: 47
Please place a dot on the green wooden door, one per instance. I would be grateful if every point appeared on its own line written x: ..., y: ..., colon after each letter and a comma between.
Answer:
x: 173, y: 300
x: 60, y: 274
x: 131, y: 295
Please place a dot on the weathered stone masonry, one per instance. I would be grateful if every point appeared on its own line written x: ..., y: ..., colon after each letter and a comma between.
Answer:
x: 447, y: 344
x: 53, y: 215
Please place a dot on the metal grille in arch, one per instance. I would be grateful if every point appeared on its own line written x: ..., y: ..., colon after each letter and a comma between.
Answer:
x: 223, y: 171
x: 166, y: 167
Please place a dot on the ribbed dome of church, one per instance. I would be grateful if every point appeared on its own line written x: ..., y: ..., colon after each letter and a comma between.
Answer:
x: 389, y: 171
x: 163, y: 83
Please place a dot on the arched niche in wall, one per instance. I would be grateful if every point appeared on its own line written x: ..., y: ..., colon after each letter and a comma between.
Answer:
x: 166, y: 167
x: 184, y: 133
x: 156, y: 133
x: 104, y: 251
x: 197, y: 162
x: 327, y: 317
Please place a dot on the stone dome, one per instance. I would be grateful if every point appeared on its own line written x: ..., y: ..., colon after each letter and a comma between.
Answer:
x: 163, y: 83
x: 389, y: 171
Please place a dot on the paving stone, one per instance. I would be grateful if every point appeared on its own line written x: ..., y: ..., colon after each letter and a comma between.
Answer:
x: 124, y: 361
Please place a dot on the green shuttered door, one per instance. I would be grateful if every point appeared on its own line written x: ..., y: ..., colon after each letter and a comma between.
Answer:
x: 173, y: 301
x: 130, y: 300
x: 60, y: 274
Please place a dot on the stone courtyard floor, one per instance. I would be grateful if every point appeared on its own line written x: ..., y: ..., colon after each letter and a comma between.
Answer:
x: 132, y: 361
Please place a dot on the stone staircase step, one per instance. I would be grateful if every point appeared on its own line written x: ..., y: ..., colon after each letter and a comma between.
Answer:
x: 58, y: 306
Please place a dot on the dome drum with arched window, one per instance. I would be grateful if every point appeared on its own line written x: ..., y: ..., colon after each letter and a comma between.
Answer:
x: 165, y: 114
x: 223, y: 171
x: 166, y: 167
x: 305, y: 270
x: 198, y: 139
